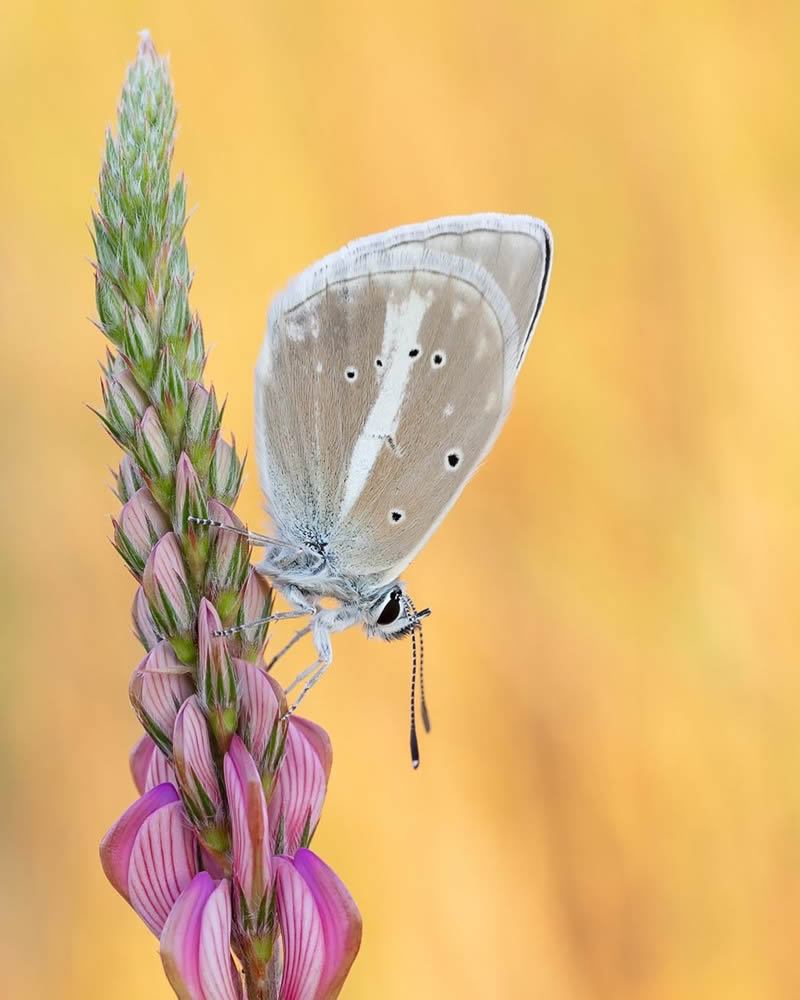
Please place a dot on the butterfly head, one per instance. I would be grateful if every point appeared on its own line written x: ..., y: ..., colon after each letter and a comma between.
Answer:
x: 392, y: 614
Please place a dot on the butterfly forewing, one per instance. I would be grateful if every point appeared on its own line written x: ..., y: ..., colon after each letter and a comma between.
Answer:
x: 514, y: 249
x: 385, y: 376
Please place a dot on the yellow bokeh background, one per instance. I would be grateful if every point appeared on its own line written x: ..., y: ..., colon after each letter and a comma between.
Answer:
x: 609, y: 803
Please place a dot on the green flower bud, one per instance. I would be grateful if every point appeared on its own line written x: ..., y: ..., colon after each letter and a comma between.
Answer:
x: 125, y: 404
x: 169, y: 390
x: 156, y: 458
x: 202, y: 427
x: 141, y: 523
x: 128, y: 480
x: 225, y: 472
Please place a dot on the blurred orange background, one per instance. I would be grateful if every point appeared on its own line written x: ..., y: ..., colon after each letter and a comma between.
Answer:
x: 609, y: 804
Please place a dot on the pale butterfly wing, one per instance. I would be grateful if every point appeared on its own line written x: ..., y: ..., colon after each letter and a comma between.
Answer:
x: 384, y: 379
x: 514, y: 249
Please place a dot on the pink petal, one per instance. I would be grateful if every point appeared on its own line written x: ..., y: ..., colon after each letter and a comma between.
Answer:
x: 260, y: 705
x: 117, y: 845
x: 299, y: 789
x: 301, y: 929
x: 159, y: 771
x: 319, y: 740
x: 215, y: 967
x: 139, y: 760
x: 160, y: 685
x: 163, y: 862
x: 249, y: 823
x: 341, y: 921
x: 180, y: 938
x: 191, y: 749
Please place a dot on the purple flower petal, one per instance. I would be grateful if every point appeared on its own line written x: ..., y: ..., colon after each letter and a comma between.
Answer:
x: 117, y: 845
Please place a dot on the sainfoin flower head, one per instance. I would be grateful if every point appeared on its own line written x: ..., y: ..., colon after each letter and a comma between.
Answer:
x: 226, y: 778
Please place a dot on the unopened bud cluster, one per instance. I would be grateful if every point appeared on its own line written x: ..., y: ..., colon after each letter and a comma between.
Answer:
x: 214, y: 854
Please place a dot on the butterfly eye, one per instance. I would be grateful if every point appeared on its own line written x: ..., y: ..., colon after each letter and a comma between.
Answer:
x: 391, y: 609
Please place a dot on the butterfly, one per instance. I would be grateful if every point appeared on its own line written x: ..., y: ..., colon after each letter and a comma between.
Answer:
x: 385, y: 375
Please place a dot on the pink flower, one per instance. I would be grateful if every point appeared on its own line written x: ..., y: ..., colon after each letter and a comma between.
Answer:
x: 262, y: 705
x: 194, y: 764
x: 149, y: 854
x: 216, y: 681
x: 296, y: 802
x: 141, y: 523
x: 149, y: 766
x: 320, y: 926
x: 166, y: 585
x: 195, y: 943
x: 228, y: 562
x: 143, y: 624
x: 158, y: 688
x: 225, y: 472
x: 255, y: 604
x: 252, y: 866
x: 189, y: 497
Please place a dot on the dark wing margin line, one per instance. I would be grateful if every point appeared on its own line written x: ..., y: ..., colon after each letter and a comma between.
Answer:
x: 548, y: 254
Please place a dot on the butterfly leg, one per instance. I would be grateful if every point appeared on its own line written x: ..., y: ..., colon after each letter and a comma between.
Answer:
x: 325, y: 622
x: 281, y: 616
x: 253, y: 537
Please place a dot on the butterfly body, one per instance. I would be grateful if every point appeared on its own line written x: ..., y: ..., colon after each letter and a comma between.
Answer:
x: 385, y: 376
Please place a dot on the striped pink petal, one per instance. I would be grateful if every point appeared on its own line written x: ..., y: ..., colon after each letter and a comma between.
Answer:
x: 162, y: 864
x: 341, y: 921
x: 260, y: 696
x: 249, y: 824
x: 319, y: 740
x: 149, y: 766
x: 299, y: 793
x: 195, y: 943
x: 139, y: 761
x: 159, y: 686
x: 301, y: 930
x: 191, y: 751
x: 159, y: 771
x: 149, y: 854
x: 117, y: 845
